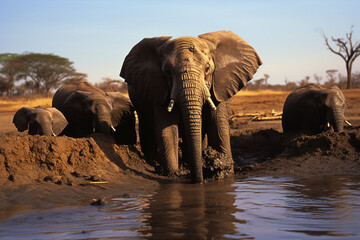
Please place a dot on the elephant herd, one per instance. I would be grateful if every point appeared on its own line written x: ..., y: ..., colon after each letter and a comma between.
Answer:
x: 78, y: 110
x: 180, y: 89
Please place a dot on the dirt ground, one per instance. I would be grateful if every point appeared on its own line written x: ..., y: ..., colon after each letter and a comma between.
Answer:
x: 45, y: 171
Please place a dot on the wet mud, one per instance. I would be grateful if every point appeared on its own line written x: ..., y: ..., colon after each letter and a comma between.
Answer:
x: 38, y: 170
x: 68, y: 161
x: 271, y: 153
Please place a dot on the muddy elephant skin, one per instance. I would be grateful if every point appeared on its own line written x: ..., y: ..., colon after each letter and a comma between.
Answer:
x: 89, y: 109
x: 42, y: 121
x: 180, y: 89
x: 313, y: 109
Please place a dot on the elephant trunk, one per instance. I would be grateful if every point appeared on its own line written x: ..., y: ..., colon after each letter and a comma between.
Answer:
x: 102, y: 123
x: 103, y: 127
x: 46, y: 129
x: 339, y: 119
x: 191, y: 99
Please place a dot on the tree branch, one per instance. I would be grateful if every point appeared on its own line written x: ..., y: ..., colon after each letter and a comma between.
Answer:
x: 332, y: 50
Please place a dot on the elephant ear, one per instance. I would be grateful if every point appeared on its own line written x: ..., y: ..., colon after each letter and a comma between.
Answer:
x: 76, y: 100
x: 235, y: 63
x: 123, y: 118
x: 142, y: 70
x: 121, y: 105
x: 59, y: 121
x: 340, y: 93
x: 21, y: 119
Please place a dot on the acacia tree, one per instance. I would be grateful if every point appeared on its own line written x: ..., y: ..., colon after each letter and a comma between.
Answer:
x: 347, y: 50
x: 11, y: 71
x: 112, y: 85
x: 47, y: 71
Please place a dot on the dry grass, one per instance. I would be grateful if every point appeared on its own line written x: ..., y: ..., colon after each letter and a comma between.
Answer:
x: 258, y: 101
x: 259, y: 92
x: 243, y: 102
x: 352, y: 97
x: 267, y: 100
x: 14, y: 104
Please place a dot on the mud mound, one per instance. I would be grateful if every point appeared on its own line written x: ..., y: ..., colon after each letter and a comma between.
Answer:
x: 256, y: 146
x: 268, y: 152
x: 62, y: 160
x: 216, y: 165
x: 340, y: 145
x: 65, y: 160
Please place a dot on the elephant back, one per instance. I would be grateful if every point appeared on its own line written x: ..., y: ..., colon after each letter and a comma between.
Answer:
x: 65, y: 91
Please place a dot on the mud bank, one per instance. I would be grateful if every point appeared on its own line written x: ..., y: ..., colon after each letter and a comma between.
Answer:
x: 271, y: 153
x: 67, y: 161
x: 41, y: 170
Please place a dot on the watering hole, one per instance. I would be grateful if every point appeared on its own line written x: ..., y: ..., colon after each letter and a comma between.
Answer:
x: 244, y: 208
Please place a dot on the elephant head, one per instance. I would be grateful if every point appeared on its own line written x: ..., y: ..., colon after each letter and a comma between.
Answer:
x: 95, y: 110
x: 333, y: 102
x: 185, y: 73
x: 92, y: 110
x: 42, y: 121
x: 313, y: 108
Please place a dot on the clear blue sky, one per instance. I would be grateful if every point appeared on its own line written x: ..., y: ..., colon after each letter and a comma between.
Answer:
x: 97, y: 34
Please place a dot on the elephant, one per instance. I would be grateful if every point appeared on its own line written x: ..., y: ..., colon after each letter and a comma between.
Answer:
x: 88, y: 109
x: 42, y: 121
x: 181, y: 89
x: 313, y: 109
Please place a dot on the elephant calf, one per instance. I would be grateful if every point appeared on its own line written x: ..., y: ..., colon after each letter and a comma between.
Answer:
x: 89, y: 109
x: 42, y: 121
x: 313, y: 109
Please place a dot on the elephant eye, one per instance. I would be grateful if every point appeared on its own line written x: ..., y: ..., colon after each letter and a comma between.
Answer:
x: 207, y: 68
x: 166, y: 69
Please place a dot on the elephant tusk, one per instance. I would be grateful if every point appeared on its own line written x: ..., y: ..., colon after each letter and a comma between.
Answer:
x: 53, y: 134
x: 347, y: 122
x: 112, y: 127
x: 212, y: 105
x: 328, y: 124
x: 171, y: 105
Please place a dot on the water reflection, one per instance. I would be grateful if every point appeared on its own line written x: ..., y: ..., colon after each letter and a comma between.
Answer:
x: 287, y: 208
x: 184, y: 211
x: 334, y: 200
x: 249, y: 208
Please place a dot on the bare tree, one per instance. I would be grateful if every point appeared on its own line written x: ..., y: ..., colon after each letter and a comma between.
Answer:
x: 331, y: 78
x: 317, y: 78
x: 304, y: 82
x: 347, y: 50
x: 266, y: 77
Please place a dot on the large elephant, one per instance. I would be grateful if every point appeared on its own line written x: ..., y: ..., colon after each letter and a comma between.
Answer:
x: 89, y: 109
x: 42, y: 121
x: 169, y: 81
x: 313, y: 108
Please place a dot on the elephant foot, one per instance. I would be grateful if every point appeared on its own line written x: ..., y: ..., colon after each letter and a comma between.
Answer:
x: 217, y: 165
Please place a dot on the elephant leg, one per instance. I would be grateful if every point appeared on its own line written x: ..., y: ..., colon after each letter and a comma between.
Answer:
x: 167, y: 138
x: 219, y: 129
x: 146, y: 134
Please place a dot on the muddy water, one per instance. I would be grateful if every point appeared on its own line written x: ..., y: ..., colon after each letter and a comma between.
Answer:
x: 250, y: 208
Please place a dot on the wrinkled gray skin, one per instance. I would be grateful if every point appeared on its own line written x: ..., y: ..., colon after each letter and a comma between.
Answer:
x: 89, y: 109
x: 312, y: 107
x: 188, y: 71
x: 42, y: 121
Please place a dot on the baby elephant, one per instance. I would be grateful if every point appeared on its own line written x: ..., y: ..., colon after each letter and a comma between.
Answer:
x: 313, y: 109
x: 42, y: 121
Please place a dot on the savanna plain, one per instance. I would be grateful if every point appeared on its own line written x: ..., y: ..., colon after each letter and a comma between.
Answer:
x: 37, y: 171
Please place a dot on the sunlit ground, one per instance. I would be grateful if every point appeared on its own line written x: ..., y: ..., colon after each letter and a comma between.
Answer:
x: 13, y: 104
